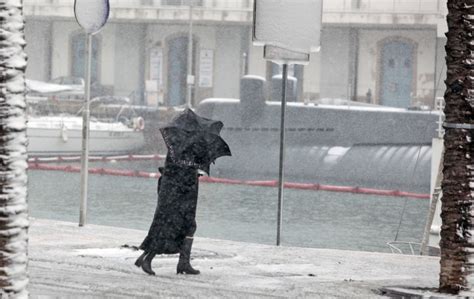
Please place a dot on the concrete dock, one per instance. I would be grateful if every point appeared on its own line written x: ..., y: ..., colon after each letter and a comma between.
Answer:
x: 67, y: 261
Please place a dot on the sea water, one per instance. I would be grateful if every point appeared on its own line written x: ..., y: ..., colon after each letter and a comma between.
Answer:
x: 236, y: 212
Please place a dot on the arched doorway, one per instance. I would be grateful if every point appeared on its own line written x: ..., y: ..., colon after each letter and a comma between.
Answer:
x: 177, y: 65
x: 78, y: 59
x: 397, y: 67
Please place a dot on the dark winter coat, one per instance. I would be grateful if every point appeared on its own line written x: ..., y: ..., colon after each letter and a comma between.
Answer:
x: 176, y: 209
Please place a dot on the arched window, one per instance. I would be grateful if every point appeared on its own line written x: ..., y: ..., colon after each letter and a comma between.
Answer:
x: 78, y: 56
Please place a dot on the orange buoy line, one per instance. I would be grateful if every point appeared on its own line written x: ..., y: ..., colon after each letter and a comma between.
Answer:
x: 59, y: 159
x: 34, y: 165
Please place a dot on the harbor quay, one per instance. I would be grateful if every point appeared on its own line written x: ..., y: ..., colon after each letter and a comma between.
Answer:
x: 68, y: 261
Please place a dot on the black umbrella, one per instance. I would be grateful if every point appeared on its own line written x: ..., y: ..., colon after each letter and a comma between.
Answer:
x: 194, y: 140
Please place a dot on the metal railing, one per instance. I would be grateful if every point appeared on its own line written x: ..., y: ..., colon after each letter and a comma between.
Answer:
x: 345, y: 6
x: 204, y: 4
x: 401, y: 247
x: 150, y: 10
x: 386, y: 6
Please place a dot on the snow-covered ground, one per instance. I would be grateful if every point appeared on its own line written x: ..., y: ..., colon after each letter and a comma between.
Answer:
x: 88, y: 262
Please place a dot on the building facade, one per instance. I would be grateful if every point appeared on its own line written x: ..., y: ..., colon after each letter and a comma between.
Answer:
x: 388, y: 52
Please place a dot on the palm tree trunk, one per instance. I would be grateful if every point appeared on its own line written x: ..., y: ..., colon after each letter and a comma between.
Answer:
x: 457, y: 212
x: 13, y: 205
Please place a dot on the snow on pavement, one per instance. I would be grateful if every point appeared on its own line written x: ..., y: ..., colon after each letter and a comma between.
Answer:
x: 90, y: 262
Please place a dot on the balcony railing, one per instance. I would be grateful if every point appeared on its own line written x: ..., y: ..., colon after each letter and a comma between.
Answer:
x: 204, y: 4
x: 355, y: 6
x: 239, y: 11
x: 386, y: 6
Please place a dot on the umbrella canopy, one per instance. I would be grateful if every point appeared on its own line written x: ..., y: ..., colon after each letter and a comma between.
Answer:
x: 195, y: 141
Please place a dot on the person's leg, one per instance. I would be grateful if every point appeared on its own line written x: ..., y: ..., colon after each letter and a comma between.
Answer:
x: 144, y: 261
x: 184, y: 265
x: 140, y: 259
x: 146, y: 266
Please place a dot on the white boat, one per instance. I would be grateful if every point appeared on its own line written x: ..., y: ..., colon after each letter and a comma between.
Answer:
x: 62, y: 135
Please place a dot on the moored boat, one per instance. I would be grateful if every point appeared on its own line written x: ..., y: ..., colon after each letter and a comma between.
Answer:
x: 62, y: 135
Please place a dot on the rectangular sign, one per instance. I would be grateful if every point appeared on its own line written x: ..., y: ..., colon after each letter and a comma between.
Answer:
x: 290, y: 24
x: 206, y: 67
x: 156, y: 65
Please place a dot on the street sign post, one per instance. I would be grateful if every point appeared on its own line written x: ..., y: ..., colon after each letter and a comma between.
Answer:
x: 289, y: 30
x: 91, y: 15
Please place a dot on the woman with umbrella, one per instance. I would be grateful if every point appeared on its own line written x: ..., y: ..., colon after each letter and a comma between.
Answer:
x: 193, y: 144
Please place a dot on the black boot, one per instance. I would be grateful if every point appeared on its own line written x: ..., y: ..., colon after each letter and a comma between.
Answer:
x: 140, y: 259
x: 146, y: 264
x: 184, y: 267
